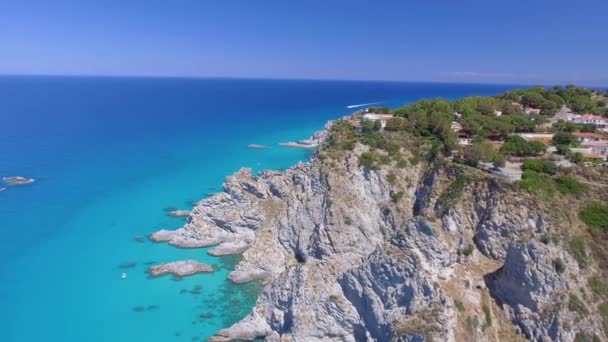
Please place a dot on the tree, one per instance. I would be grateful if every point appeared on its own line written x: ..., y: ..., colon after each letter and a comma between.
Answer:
x: 518, y: 146
x: 562, y: 138
x: 577, y: 158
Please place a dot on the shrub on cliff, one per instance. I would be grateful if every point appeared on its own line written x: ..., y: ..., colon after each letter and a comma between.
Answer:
x: 596, y: 216
x: 539, y: 183
x: 373, y: 160
x: 539, y: 165
x: 578, y: 249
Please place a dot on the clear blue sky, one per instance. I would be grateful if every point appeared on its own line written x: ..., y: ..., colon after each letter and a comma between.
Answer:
x: 455, y: 41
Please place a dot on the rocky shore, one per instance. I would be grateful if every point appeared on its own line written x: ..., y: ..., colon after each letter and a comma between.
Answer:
x: 348, y: 253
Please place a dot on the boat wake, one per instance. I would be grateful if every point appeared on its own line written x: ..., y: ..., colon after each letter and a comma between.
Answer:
x: 362, y: 105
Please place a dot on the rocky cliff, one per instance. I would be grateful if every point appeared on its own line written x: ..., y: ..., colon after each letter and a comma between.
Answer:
x: 426, y: 251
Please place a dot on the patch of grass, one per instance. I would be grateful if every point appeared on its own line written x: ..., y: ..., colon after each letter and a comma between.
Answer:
x: 402, y: 163
x: 598, y: 286
x: 373, y: 160
x: 603, y: 309
x: 488, y: 315
x: 391, y: 178
x: 576, y: 305
x: 458, y: 304
x: 578, y: 249
x: 538, y: 183
x: 468, y: 250
x: 568, y: 185
x: 595, y: 216
x: 397, y: 196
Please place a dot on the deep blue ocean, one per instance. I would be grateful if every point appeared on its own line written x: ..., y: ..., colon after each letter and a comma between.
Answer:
x: 109, y: 156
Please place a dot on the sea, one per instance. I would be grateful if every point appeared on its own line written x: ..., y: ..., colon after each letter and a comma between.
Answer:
x: 110, y: 157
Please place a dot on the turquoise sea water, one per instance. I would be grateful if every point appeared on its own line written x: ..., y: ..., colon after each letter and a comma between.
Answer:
x: 109, y: 155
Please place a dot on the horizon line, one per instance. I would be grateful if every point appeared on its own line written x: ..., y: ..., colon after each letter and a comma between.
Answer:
x: 201, y: 77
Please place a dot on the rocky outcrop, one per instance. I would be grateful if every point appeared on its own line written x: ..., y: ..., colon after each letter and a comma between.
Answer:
x: 180, y: 269
x: 533, y: 287
x: 353, y: 254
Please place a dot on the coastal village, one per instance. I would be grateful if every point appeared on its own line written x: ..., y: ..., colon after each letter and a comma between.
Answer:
x: 563, y: 137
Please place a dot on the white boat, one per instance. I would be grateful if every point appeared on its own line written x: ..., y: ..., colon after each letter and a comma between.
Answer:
x: 123, y: 275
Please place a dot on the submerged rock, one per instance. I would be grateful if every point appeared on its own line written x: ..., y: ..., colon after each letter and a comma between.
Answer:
x: 139, y: 308
x: 256, y: 146
x: 206, y: 315
x: 138, y: 238
x: 17, y: 180
x: 180, y: 269
x: 129, y: 264
x: 179, y: 213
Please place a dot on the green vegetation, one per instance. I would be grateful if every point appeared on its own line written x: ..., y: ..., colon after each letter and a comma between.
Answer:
x: 391, y: 178
x: 518, y: 146
x: 578, y: 249
x: 373, y: 160
x: 538, y: 183
x: 598, y: 285
x: 540, y: 165
x: 458, y: 304
x: 397, y: 196
x: 595, y: 216
x: 482, y: 151
x: 568, y: 185
x: 488, y: 315
x: 468, y: 250
x: 379, y: 110
x: 576, y: 305
x: 562, y: 138
x: 453, y: 193
x: 603, y: 309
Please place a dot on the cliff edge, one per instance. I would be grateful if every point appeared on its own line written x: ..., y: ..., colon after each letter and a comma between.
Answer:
x: 412, y: 248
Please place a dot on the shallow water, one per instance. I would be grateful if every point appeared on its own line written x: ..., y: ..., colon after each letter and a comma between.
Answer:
x: 109, y: 155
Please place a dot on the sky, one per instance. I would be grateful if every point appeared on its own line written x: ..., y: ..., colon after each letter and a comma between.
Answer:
x: 524, y: 42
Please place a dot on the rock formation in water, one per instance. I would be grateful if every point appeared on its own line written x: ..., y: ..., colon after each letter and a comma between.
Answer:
x: 180, y: 269
x: 416, y: 251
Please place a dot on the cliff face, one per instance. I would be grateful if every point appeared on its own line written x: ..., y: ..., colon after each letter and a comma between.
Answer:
x: 421, y: 252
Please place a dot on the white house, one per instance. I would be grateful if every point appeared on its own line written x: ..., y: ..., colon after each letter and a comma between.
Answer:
x: 598, y: 147
x: 383, y: 118
x: 596, y: 120
x: 584, y: 137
